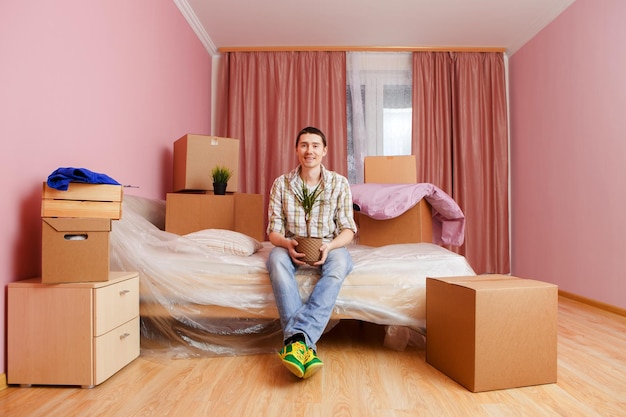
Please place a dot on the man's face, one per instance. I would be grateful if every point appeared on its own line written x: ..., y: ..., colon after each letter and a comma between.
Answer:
x: 310, y: 150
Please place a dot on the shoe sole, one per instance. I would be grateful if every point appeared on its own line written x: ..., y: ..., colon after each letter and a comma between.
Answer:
x: 312, y: 369
x: 294, y: 368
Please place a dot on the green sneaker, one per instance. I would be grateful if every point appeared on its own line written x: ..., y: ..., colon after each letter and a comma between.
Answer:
x: 312, y: 364
x: 293, y: 357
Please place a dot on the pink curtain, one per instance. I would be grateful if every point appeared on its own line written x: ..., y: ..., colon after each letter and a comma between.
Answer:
x: 460, y: 138
x: 265, y: 98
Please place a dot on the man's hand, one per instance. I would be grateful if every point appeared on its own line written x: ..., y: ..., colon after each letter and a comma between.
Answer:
x: 344, y: 239
x: 295, y: 255
x: 325, y: 248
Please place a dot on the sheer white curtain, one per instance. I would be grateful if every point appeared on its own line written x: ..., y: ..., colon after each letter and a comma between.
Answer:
x: 379, y: 107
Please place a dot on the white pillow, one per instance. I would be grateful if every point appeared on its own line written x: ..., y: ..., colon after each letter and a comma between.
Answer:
x: 226, y: 241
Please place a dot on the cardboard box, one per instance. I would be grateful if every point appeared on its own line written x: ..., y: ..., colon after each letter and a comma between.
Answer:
x: 75, y: 250
x: 195, y: 156
x: 413, y: 226
x: 390, y: 169
x: 250, y: 215
x: 190, y: 212
x: 83, y: 200
x: 492, y: 332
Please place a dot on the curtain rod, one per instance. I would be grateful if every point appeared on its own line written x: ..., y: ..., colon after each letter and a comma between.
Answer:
x: 361, y: 48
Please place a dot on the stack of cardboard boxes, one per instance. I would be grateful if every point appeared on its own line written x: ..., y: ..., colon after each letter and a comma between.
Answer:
x: 193, y: 206
x: 410, y: 226
x: 75, y: 231
x: 486, y: 332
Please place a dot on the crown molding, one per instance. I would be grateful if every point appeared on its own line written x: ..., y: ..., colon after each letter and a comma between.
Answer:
x: 362, y: 48
x: 197, y: 27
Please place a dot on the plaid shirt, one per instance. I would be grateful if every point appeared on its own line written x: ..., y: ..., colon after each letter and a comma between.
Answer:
x: 328, y: 218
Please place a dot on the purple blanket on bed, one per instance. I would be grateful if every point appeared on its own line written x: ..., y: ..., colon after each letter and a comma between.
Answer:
x: 386, y: 201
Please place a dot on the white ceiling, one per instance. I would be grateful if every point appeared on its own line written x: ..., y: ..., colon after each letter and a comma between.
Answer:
x: 506, y: 24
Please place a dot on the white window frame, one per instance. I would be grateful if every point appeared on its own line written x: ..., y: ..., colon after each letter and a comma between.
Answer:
x: 376, y: 70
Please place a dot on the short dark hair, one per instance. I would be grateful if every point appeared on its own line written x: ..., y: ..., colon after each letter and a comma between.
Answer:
x: 312, y: 130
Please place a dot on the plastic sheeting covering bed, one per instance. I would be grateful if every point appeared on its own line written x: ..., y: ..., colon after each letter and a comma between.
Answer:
x: 197, y: 300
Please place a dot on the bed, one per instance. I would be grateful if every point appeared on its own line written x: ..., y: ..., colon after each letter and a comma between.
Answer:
x: 208, y: 293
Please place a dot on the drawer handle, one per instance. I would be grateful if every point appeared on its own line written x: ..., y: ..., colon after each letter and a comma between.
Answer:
x: 124, y: 292
x: 124, y: 336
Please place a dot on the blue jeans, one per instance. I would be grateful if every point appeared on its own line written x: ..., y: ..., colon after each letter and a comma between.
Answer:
x: 311, y: 316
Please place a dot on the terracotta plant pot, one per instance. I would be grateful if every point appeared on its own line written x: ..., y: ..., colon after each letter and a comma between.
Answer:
x: 310, y: 246
x: 219, y: 188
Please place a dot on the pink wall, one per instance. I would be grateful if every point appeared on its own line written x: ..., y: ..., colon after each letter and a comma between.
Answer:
x: 568, y: 153
x: 104, y: 84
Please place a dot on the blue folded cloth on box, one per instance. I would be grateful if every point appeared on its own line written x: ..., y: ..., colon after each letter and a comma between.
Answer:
x: 61, y: 177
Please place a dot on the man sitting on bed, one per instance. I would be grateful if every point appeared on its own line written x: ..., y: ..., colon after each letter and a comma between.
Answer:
x: 332, y: 219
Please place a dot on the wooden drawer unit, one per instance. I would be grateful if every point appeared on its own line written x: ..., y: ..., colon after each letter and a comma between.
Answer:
x: 77, y: 333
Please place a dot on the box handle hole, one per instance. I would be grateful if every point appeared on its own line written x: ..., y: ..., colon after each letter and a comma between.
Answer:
x: 74, y: 236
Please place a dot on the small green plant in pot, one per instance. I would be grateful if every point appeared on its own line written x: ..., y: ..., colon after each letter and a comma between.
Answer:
x: 308, y: 245
x: 220, y: 175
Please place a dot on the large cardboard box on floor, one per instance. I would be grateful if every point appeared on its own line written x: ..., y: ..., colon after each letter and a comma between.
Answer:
x: 492, y: 332
x: 190, y: 212
x: 83, y: 200
x: 414, y: 225
x: 195, y: 156
x: 75, y: 249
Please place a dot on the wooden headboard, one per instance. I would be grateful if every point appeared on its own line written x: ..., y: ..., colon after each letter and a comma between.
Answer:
x: 415, y: 225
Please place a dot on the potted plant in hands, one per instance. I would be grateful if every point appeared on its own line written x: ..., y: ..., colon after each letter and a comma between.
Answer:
x: 220, y: 175
x: 308, y: 245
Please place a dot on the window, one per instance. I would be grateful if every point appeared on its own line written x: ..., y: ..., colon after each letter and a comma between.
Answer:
x: 379, y: 123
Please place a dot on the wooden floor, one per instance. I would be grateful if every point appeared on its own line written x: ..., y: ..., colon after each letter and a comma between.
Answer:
x: 360, y: 378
